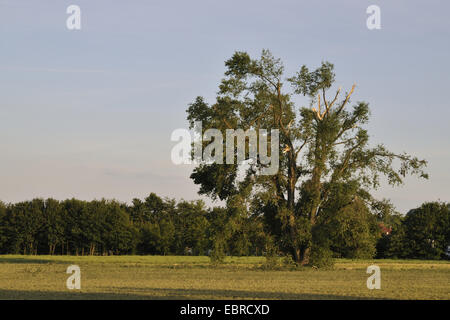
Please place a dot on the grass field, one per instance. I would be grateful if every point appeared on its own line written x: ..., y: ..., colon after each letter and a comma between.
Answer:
x: 185, y: 277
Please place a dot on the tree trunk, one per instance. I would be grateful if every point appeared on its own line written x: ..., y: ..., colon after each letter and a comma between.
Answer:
x: 305, y: 255
x: 293, y: 234
x: 315, y: 190
x: 92, y: 249
x: 292, y: 179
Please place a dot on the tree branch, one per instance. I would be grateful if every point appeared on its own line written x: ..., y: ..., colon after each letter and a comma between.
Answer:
x: 346, y: 99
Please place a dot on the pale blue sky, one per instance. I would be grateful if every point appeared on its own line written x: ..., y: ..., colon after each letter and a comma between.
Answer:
x: 89, y: 113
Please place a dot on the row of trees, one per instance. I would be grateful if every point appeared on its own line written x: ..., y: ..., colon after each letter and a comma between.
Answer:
x: 153, y: 226
x: 423, y: 233
x: 164, y: 226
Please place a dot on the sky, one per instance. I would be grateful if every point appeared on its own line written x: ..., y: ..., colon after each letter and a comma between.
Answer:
x: 89, y: 113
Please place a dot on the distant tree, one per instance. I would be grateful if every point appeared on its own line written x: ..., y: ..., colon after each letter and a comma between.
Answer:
x: 192, y: 225
x: 3, y: 229
x: 166, y: 236
x: 219, y: 233
x: 154, y: 208
x: 154, y: 219
x: 93, y: 225
x: 148, y: 238
x: 136, y: 211
x: 55, y: 225
x: 76, y: 238
x: 396, y: 244
x: 118, y: 234
x: 391, y: 243
x: 26, y: 220
x: 427, y: 230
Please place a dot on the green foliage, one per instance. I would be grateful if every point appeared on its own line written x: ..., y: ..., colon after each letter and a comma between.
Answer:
x: 309, y: 83
x: 428, y: 230
x: 321, y: 256
x: 192, y: 222
x: 346, y: 228
x: 424, y: 233
x: 397, y: 244
x: 3, y: 228
x: 354, y: 231
x: 272, y: 255
x: 217, y: 254
x: 325, y: 157
x: 152, y: 226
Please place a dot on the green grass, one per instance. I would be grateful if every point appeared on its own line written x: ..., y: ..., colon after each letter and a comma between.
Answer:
x: 185, y: 277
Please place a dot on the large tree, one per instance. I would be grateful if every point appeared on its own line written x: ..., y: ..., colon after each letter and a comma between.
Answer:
x: 322, y: 146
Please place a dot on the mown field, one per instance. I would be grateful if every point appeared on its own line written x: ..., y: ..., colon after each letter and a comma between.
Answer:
x: 185, y: 277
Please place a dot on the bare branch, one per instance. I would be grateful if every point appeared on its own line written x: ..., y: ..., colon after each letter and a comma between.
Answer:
x: 326, y: 103
x: 335, y: 98
x: 319, y: 111
x: 346, y: 99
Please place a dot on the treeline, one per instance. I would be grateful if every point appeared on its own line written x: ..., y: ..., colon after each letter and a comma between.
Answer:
x: 103, y: 227
x: 424, y: 233
x: 167, y: 227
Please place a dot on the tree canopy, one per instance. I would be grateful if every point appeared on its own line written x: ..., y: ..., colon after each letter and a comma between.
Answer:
x: 325, y: 160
